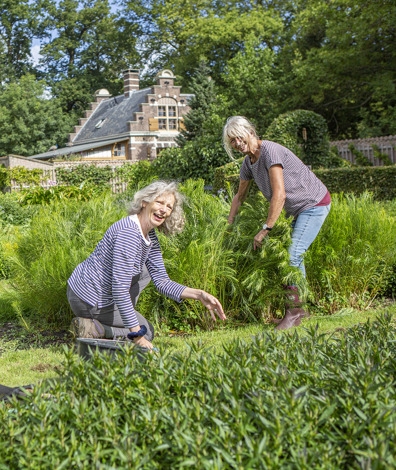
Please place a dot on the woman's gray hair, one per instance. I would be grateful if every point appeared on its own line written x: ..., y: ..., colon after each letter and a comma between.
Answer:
x: 238, y: 126
x: 175, y: 222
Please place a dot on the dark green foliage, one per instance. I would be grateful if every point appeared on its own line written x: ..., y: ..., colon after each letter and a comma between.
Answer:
x: 99, y: 176
x: 281, y: 401
x: 360, y: 158
x: 137, y: 175
x: 203, y: 88
x: 305, y: 134
x: 197, y: 159
x: 30, y: 123
x: 379, y: 180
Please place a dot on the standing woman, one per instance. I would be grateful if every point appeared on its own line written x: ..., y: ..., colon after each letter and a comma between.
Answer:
x: 103, y: 290
x: 286, y: 183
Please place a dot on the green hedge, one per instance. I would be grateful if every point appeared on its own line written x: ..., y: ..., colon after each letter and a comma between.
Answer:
x: 381, y: 181
x: 280, y: 401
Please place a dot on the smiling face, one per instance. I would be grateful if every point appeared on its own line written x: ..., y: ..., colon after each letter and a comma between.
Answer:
x: 155, y: 213
x: 240, y: 144
x: 245, y: 144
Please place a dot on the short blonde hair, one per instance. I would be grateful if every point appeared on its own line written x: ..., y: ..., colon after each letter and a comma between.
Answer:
x: 238, y: 126
x: 175, y: 222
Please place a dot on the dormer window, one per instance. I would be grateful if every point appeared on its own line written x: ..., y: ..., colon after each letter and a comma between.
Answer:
x: 100, y: 123
x: 167, y: 114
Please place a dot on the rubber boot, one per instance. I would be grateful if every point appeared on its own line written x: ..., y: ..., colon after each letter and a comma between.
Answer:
x: 294, y: 311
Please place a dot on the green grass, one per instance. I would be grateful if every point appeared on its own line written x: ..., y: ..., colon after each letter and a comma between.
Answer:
x: 28, y: 366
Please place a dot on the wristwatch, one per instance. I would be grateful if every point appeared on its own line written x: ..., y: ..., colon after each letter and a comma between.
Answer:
x: 265, y: 227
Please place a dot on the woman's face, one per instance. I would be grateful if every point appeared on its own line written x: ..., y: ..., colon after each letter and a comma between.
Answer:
x: 155, y: 213
x: 240, y: 144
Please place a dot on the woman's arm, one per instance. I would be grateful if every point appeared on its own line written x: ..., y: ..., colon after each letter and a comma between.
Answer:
x: 276, y: 204
x: 238, y: 199
x: 208, y: 300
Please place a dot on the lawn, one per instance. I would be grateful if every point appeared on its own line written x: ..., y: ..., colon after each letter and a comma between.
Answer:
x: 28, y: 357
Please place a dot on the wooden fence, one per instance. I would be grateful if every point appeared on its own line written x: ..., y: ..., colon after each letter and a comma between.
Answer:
x: 386, y: 145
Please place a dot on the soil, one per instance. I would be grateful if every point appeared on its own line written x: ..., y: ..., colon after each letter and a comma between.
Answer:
x: 23, y: 339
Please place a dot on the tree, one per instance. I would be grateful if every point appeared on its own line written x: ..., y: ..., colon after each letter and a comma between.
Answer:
x: 19, y: 23
x: 29, y: 122
x: 203, y: 88
x: 179, y: 34
x: 250, y: 84
x: 342, y: 62
x: 92, y: 47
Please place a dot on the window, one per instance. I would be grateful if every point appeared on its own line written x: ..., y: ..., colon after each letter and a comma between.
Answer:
x: 119, y: 150
x: 167, y: 112
x: 100, y: 123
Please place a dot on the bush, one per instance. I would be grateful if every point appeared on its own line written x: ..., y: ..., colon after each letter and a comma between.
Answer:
x: 288, y: 130
x: 197, y: 159
x: 282, y: 401
x: 11, y: 211
x: 378, y: 180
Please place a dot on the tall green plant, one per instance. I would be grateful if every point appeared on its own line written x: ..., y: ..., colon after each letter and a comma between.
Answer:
x: 60, y: 237
x: 352, y: 257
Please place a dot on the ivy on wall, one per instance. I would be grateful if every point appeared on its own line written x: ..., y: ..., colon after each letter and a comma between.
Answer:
x: 85, y: 173
x: 20, y: 175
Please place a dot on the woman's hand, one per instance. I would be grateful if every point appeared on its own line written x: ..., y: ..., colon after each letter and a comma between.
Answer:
x: 207, y: 300
x: 142, y: 342
x: 212, y: 304
x: 258, y: 239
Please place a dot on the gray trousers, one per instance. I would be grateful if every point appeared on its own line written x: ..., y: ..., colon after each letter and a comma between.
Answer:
x: 110, y: 316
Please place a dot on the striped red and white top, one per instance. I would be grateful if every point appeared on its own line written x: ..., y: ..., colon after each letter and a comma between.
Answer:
x: 303, y: 189
x: 105, y: 277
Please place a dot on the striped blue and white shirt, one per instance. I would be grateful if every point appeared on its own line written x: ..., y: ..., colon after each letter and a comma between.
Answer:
x: 303, y: 189
x: 105, y: 277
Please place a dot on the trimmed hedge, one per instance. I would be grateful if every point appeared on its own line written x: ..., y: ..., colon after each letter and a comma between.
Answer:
x: 381, y: 181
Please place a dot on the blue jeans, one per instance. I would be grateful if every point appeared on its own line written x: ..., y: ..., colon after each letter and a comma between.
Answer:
x: 305, y: 229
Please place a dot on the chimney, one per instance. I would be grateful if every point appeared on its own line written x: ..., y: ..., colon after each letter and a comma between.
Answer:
x: 131, y: 81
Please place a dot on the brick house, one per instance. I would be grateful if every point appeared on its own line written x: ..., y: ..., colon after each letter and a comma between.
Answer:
x: 134, y: 126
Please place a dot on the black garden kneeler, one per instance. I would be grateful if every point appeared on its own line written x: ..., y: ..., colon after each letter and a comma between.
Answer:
x: 7, y: 392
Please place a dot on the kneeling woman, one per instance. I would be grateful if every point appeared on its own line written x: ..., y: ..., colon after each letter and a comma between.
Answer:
x: 103, y: 289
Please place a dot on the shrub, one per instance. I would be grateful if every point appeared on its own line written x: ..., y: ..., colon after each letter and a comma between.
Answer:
x: 281, y: 401
x: 305, y: 134
x: 357, y: 180
x: 197, y: 159
x: 11, y: 211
